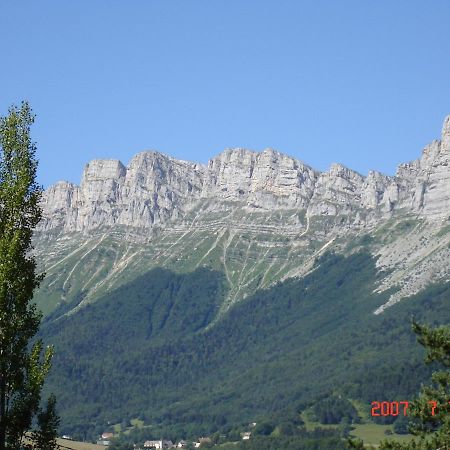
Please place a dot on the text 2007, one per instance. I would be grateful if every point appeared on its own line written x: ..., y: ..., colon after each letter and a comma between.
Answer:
x: 397, y: 408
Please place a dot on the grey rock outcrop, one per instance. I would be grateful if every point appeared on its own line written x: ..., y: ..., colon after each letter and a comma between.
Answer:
x: 263, y: 180
x: 60, y: 206
x: 155, y: 188
x: 425, y: 183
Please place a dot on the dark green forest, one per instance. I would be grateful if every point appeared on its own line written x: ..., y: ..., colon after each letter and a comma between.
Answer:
x: 299, y: 440
x: 146, y: 351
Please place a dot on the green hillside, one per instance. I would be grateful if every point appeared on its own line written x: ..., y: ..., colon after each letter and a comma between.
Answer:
x: 145, y: 350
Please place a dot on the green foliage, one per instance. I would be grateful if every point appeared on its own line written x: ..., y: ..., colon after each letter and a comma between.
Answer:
x: 22, y: 370
x: 406, y: 225
x: 356, y: 444
x: 319, y: 439
x: 148, y: 350
x: 117, y: 445
x: 333, y: 410
x: 44, y: 437
x: 401, y: 425
x: 432, y: 408
x: 436, y: 342
x: 264, y: 428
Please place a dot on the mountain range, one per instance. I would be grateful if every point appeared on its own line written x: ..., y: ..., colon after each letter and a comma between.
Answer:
x: 259, y: 218
x: 197, y: 297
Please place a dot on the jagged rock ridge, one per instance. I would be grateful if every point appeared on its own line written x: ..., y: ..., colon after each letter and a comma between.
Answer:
x: 156, y: 188
x: 258, y: 218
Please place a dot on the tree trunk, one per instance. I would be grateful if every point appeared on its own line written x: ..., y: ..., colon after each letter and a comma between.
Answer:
x: 3, y: 414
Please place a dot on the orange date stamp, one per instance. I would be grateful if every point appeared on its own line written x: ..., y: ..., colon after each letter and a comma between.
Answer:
x: 400, y: 408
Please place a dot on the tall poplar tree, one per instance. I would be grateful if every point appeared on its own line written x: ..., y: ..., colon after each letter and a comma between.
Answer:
x: 22, y: 367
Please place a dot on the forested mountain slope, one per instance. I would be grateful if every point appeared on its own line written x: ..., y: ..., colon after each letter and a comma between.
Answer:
x: 146, y: 350
x: 200, y: 296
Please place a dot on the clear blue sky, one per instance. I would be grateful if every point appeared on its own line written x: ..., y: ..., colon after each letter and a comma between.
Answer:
x: 364, y: 83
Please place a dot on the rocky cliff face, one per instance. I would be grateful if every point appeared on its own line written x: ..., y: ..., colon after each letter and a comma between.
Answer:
x: 152, y: 189
x: 425, y: 183
x: 258, y: 218
x: 155, y: 189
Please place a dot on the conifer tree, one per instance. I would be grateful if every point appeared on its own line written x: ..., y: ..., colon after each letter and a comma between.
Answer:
x: 44, y: 438
x: 431, y: 410
x: 22, y: 369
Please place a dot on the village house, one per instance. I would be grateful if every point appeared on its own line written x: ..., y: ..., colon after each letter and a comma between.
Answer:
x: 159, y: 444
x: 182, y: 444
x: 201, y: 441
x: 246, y: 435
x: 106, y: 436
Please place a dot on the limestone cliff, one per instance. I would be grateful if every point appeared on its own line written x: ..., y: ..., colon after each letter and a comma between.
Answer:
x: 155, y: 188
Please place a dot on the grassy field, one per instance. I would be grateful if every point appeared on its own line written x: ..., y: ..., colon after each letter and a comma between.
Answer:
x: 373, y: 434
x: 370, y: 433
x: 75, y: 445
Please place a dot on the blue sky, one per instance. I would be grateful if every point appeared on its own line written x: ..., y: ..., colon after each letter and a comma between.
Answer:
x: 364, y: 83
